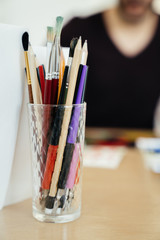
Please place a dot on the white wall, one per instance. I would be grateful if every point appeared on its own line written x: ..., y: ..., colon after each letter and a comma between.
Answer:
x: 37, y: 14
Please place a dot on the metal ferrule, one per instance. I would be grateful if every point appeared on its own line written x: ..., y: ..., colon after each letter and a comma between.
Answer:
x: 69, y: 198
x: 49, y: 60
x: 56, y: 58
x: 55, y: 75
x: 49, y: 76
x: 60, y: 193
x: 69, y: 62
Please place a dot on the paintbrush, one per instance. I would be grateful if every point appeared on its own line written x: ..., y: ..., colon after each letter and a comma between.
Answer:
x: 68, y: 67
x: 47, y: 98
x: 48, y: 82
x: 56, y: 59
x: 25, y: 43
x: 56, y: 129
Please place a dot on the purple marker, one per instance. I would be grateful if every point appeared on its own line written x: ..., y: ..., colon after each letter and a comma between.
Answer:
x: 73, y: 127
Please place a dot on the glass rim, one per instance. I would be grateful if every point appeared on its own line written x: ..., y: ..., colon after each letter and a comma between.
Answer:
x: 56, y: 105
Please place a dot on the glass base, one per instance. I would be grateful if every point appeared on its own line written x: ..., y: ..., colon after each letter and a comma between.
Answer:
x: 42, y: 217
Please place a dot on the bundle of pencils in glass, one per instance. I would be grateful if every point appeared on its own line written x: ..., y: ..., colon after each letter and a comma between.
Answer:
x: 64, y: 87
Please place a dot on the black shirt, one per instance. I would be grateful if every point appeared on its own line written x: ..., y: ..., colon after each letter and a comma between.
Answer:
x: 121, y: 91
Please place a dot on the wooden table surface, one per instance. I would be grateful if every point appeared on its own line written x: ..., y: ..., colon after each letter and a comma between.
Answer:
x: 122, y: 204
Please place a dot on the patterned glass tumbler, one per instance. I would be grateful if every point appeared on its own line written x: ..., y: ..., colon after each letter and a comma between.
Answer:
x: 57, y: 142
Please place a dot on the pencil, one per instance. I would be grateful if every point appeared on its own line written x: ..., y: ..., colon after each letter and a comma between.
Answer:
x: 42, y: 80
x: 37, y: 97
x: 84, y: 53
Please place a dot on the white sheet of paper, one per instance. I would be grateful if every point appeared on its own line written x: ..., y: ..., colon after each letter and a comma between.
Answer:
x: 103, y: 156
x: 15, y: 159
x: 11, y: 95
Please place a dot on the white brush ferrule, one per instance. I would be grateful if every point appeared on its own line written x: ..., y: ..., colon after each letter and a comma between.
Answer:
x: 69, y: 62
x: 55, y: 75
x: 49, y: 76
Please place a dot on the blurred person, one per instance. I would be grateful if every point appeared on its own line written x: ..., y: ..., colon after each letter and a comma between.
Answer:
x: 123, y: 83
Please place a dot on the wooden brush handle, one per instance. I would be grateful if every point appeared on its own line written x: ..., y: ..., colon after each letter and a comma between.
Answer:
x: 30, y: 93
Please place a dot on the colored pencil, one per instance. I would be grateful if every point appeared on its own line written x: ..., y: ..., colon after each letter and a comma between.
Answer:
x: 37, y: 97
x: 42, y: 80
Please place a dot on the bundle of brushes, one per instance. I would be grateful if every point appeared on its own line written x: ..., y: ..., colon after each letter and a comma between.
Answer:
x: 60, y: 154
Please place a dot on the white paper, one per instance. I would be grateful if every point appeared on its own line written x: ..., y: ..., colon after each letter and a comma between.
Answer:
x: 15, y: 159
x: 103, y: 156
x: 20, y: 183
x: 11, y: 95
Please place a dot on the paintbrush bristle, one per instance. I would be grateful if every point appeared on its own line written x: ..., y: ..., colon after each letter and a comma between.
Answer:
x: 72, y: 46
x: 25, y: 41
x: 50, y: 34
x: 59, y: 24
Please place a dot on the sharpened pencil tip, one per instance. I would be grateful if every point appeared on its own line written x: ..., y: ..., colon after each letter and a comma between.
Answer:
x: 79, y: 43
x: 85, y: 46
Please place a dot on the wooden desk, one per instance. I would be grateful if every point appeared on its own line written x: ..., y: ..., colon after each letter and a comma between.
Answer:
x: 122, y: 204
